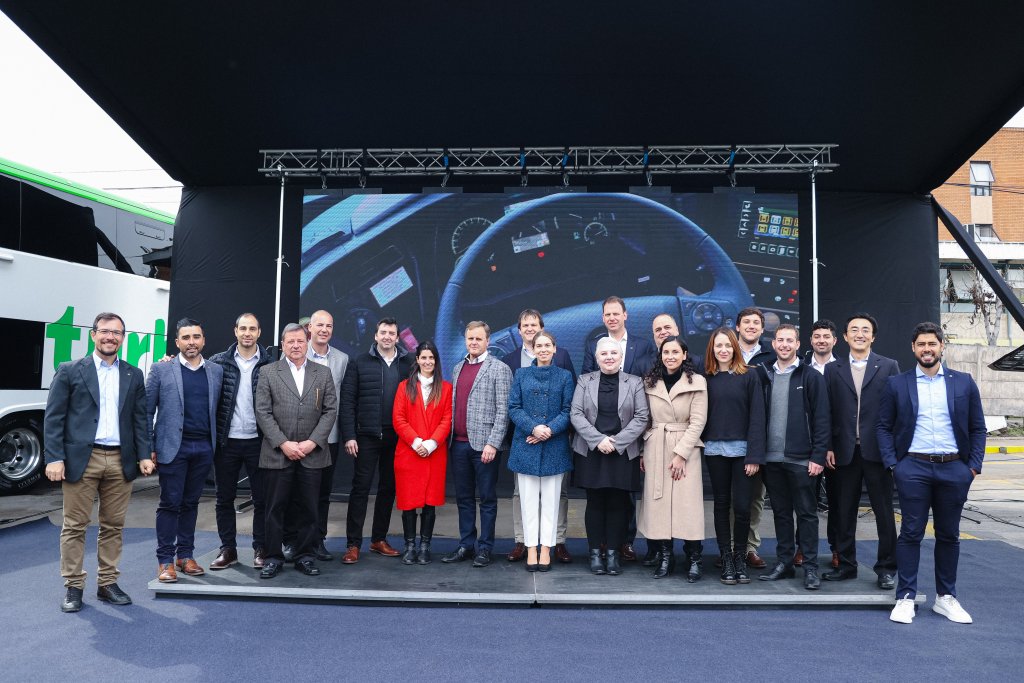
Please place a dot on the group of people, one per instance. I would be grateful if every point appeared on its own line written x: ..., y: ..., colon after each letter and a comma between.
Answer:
x: 634, y: 430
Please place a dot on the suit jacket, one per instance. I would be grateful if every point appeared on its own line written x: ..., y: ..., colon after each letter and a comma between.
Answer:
x: 73, y: 410
x: 842, y: 396
x: 487, y: 404
x: 633, y: 414
x: 165, y: 401
x: 640, y: 355
x: 897, y: 417
x: 283, y: 415
x: 562, y: 360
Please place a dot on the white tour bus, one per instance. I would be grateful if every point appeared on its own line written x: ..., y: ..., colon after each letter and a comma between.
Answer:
x: 67, y: 253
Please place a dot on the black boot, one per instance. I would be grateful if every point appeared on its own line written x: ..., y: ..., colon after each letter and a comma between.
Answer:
x: 694, y: 555
x: 614, y: 568
x: 740, y: 563
x: 596, y: 563
x: 667, y: 565
x: 427, y: 518
x: 653, y: 556
x: 729, y: 569
x: 409, y: 529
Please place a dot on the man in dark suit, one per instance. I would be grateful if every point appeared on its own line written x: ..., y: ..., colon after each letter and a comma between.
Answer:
x: 638, y: 358
x: 855, y: 388
x: 296, y: 409
x: 97, y: 442
x: 531, y: 323
x: 181, y: 408
x: 639, y: 354
x: 931, y: 435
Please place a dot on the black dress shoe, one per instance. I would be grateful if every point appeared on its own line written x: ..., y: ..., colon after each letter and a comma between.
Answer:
x: 780, y: 571
x: 811, y: 580
x: 322, y: 553
x: 596, y: 562
x: 72, y: 600
x: 289, y: 553
x: 612, y: 563
x: 113, y: 594
x: 270, y: 569
x: 307, y: 567
x: 541, y: 567
x: 532, y: 567
x: 460, y: 554
x: 841, y: 574
x: 886, y: 582
x: 482, y: 559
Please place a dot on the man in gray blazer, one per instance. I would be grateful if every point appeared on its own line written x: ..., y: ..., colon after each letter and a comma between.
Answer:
x: 181, y: 407
x: 97, y: 442
x: 296, y: 409
x: 480, y: 417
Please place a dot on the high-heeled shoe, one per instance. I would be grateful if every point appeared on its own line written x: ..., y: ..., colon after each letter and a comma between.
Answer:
x: 532, y: 567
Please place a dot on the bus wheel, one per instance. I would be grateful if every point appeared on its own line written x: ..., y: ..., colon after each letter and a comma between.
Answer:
x: 21, y: 453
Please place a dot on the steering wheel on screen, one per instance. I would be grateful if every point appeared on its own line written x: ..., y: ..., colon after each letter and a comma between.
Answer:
x: 574, y: 325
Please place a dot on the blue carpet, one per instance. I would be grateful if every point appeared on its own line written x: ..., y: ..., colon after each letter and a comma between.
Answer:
x: 164, y: 640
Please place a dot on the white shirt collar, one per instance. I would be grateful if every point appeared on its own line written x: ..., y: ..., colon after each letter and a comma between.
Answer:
x: 100, y: 363
x: 921, y: 373
x: 181, y: 359
x: 254, y: 357
x: 479, y: 359
x: 314, y: 354
x: 296, y: 368
x: 789, y: 368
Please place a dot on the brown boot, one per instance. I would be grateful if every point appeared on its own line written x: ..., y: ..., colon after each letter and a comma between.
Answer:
x: 227, y: 557
x: 166, y: 574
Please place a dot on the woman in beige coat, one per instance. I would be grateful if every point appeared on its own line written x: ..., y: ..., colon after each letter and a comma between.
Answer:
x: 673, y: 500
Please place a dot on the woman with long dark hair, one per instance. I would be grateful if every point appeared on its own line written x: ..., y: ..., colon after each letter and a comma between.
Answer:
x: 734, y: 443
x: 609, y: 413
x: 673, y: 501
x: 538, y: 405
x: 423, y: 418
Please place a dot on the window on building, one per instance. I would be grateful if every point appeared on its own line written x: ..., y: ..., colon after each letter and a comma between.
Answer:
x: 985, y: 233
x: 981, y: 178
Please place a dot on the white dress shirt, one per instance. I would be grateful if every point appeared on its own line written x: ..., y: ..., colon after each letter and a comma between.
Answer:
x: 108, y: 428
x: 243, y: 419
x: 298, y: 373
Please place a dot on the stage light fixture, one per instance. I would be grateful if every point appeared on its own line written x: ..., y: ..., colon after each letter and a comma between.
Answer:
x: 648, y: 178
x: 446, y: 161
x: 565, y: 169
x: 730, y: 173
x: 523, y: 173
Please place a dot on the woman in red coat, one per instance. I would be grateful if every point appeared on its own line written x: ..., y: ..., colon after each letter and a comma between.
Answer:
x: 422, y: 417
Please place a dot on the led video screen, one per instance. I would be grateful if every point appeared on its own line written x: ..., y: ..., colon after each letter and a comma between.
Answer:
x: 437, y: 261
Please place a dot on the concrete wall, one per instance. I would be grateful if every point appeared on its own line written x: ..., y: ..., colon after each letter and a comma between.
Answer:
x: 1002, y: 393
x: 959, y: 329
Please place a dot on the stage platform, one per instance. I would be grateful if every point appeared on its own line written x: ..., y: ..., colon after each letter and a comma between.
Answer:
x: 380, y: 580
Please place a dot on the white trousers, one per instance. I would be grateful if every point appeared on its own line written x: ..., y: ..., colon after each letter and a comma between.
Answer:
x: 538, y: 498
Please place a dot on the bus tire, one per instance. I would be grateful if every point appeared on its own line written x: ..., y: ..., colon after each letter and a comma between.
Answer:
x: 21, y: 452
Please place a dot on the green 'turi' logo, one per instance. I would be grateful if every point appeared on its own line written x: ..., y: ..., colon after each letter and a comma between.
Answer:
x: 65, y: 335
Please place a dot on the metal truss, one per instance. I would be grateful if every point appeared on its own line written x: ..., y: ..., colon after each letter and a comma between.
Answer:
x: 653, y: 160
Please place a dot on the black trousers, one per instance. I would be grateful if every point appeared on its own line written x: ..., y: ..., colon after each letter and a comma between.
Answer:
x: 793, y: 492
x: 607, y: 517
x: 831, y: 495
x: 850, y: 479
x: 227, y: 464
x: 729, y: 485
x: 376, y: 456
x: 323, y: 502
x: 293, y: 483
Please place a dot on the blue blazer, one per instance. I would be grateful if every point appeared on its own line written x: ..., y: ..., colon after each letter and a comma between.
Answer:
x: 541, y: 396
x: 897, y: 417
x: 640, y: 355
x: 562, y: 360
x: 165, y: 401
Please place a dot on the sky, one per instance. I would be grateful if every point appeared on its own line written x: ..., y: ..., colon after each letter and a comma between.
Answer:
x: 47, y: 122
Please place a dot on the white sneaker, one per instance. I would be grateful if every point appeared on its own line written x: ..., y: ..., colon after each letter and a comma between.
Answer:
x: 903, y: 612
x: 949, y: 607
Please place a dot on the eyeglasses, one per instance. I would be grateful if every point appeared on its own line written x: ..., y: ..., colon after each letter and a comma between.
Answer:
x: 110, y: 333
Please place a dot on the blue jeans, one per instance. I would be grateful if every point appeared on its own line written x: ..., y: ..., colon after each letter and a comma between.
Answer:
x: 942, y: 487
x: 473, y: 478
x: 181, y: 485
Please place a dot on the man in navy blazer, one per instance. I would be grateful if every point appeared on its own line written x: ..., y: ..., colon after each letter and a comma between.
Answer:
x: 96, y: 443
x: 181, y: 404
x: 855, y: 389
x: 531, y: 323
x: 931, y: 435
x: 639, y: 352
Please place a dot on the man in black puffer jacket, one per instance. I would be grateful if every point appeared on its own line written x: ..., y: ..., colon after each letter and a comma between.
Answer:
x: 367, y: 399
x: 238, y: 439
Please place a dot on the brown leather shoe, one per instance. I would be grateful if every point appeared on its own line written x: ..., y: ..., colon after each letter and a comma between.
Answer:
x: 351, y: 555
x: 626, y: 553
x: 518, y: 552
x: 835, y: 560
x: 798, y: 559
x: 166, y: 574
x: 258, y: 557
x: 382, y: 548
x: 756, y: 561
x: 190, y: 566
x: 562, y: 553
x: 227, y: 557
